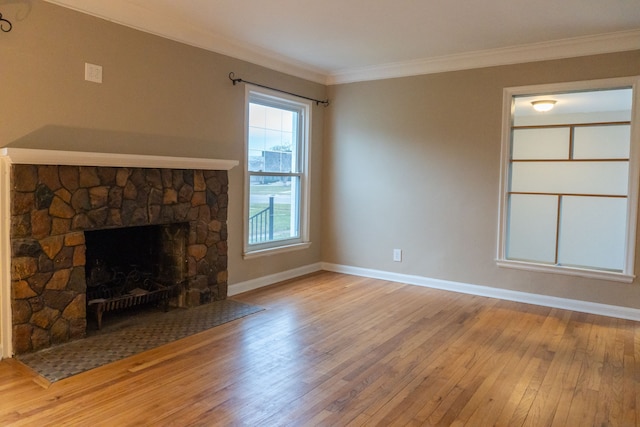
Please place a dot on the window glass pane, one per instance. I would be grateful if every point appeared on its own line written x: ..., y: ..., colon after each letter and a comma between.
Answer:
x: 273, y: 208
x: 550, y: 143
x: 277, y: 161
x: 602, y: 142
x: 257, y: 139
x: 257, y: 116
x: 274, y: 132
x: 592, y: 232
x: 274, y: 140
x: 606, y: 178
x: 274, y: 118
x: 532, y: 228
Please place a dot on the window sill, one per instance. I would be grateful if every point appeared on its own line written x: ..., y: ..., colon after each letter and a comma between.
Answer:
x: 543, y: 268
x: 276, y: 250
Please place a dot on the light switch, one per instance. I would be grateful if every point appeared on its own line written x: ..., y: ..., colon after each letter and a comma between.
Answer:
x: 92, y: 72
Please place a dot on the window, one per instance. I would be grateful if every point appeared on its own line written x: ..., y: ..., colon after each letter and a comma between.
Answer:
x: 570, y: 179
x: 277, y: 172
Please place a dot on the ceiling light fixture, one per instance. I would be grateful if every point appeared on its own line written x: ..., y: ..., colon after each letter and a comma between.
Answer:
x: 543, y: 105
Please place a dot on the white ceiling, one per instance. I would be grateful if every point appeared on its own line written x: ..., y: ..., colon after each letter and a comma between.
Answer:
x: 336, y: 41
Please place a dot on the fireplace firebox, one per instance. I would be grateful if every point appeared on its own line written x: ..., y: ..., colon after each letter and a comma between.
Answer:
x: 133, y: 266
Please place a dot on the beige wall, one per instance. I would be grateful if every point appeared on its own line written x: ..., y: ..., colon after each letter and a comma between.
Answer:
x: 414, y: 163
x: 158, y: 97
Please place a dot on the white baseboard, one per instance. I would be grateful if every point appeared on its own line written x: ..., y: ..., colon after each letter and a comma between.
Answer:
x: 249, y: 285
x: 486, y: 291
x: 446, y: 285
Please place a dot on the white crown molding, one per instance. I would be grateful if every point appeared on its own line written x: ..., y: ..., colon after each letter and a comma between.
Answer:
x: 558, y: 49
x: 80, y: 158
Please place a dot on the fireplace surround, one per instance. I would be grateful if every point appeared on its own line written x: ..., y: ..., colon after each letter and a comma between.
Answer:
x: 55, y: 197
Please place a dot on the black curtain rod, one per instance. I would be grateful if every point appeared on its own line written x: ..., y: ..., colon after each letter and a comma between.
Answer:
x: 235, y: 81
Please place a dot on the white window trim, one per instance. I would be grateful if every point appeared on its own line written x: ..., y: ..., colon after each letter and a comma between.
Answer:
x: 627, y: 275
x: 288, y: 245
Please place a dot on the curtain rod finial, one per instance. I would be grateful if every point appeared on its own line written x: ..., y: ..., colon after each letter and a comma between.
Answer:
x: 233, y: 79
x: 5, y: 28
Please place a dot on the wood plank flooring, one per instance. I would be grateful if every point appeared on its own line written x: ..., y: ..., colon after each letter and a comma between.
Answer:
x: 338, y: 350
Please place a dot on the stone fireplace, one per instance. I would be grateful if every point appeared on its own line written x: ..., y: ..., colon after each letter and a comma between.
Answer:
x: 56, y: 207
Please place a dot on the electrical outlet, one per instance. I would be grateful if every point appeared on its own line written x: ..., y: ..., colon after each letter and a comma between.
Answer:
x: 397, y: 255
x: 93, y: 72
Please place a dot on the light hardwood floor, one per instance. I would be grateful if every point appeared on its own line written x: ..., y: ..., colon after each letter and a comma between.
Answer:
x: 337, y: 350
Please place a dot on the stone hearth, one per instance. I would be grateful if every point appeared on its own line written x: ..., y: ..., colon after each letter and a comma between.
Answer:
x: 52, y: 206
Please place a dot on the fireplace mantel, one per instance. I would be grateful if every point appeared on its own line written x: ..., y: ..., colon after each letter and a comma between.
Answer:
x: 28, y: 156
x: 23, y: 156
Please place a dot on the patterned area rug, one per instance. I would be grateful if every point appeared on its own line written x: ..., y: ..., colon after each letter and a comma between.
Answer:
x: 125, y: 336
